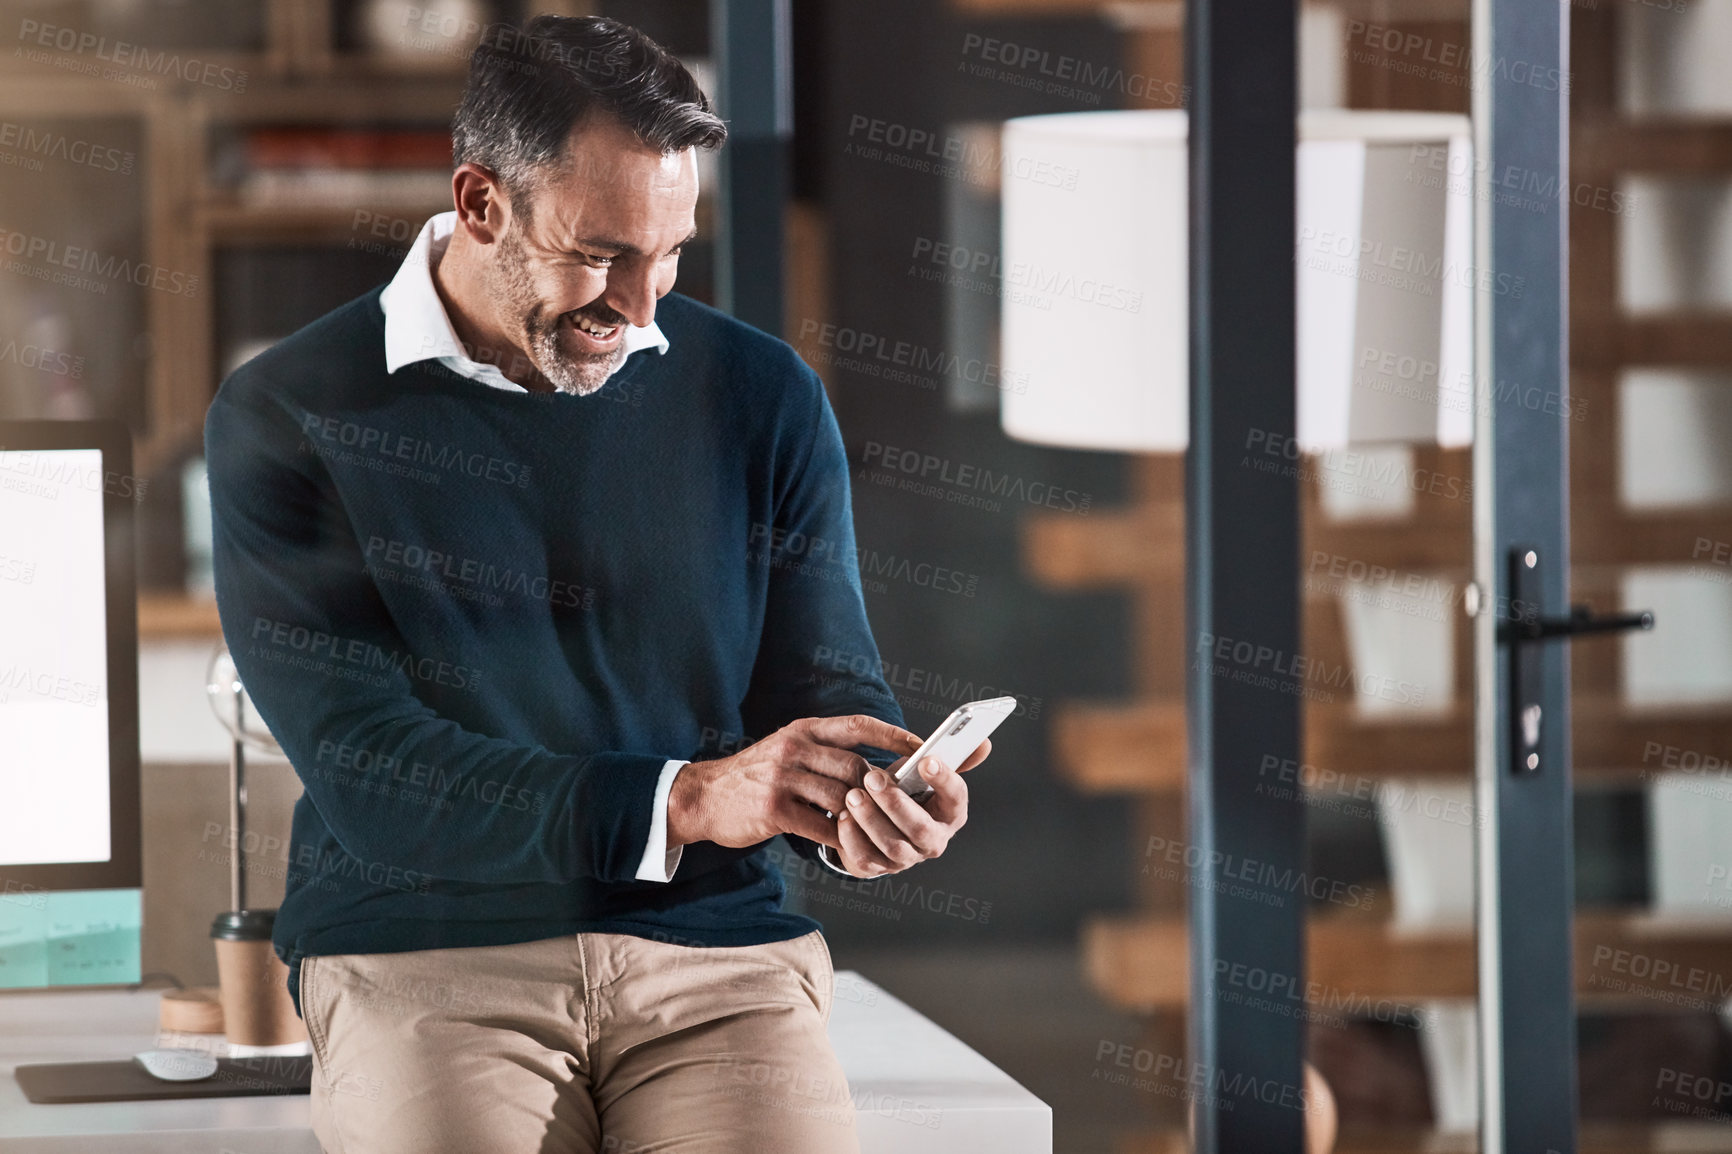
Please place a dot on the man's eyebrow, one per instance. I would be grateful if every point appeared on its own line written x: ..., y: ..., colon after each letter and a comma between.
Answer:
x: 604, y: 244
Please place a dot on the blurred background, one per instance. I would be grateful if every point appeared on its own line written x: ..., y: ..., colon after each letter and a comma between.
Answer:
x: 229, y: 170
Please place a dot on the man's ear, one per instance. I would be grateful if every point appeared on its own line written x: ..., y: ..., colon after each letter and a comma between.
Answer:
x: 483, y: 208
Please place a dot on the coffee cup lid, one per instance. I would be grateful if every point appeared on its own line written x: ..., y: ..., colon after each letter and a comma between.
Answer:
x: 244, y: 925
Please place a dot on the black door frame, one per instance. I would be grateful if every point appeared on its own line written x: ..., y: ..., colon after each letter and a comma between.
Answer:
x: 751, y: 42
x: 1244, y: 695
x: 1526, y: 883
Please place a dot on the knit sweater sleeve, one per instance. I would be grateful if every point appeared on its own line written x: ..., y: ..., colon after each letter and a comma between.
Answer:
x: 333, y: 679
x: 817, y: 657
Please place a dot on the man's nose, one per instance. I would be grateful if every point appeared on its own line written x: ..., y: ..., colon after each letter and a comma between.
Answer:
x: 631, y: 292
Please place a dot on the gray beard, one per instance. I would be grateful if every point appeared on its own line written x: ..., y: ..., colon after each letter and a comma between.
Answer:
x: 581, y: 375
x: 515, y: 294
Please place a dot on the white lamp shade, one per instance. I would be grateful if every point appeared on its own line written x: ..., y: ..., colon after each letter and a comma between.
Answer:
x: 1096, y: 279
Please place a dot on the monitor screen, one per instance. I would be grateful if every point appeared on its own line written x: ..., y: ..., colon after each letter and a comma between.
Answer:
x: 54, y: 740
x: 70, y: 904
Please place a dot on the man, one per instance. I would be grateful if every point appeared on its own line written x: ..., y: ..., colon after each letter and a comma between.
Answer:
x: 509, y: 559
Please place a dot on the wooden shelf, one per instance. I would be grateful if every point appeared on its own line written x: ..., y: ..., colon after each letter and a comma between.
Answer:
x: 1660, y: 537
x: 1693, y: 340
x: 1595, y: 1138
x: 1147, y: 545
x: 999, y: 8
x: 259, y: 68
x: 370, y: 66
x: 1419, y: 544
x: 1141, y: 549
x: 1609, y: 738
x: 1170, y: 13
x: 1708, y: 1137
x: 1106, y: 550
x: 1144, y: 963
x: 1157, y: 1142
x: 165, y: 617
x: 231, y: 222
x: 1140, y: 747
x: 1611, y: 146
x: 1426, y: 745
x: 1121, y: 749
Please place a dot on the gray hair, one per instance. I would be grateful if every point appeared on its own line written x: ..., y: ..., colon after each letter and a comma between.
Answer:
x: 528, y: 87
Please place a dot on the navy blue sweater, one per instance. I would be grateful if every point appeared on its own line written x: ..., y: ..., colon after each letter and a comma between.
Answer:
x: 479, y: 622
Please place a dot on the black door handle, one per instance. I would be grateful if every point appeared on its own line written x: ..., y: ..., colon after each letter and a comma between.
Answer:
x: 1582, y: 619
x: 1524, y: 629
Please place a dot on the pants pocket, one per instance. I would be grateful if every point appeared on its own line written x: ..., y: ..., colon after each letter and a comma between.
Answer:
x: 313, y: 1012
x: 823, y: 972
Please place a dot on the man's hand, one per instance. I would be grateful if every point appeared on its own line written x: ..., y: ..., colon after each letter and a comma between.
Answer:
x: 884, y: 831
x: 764, y: 789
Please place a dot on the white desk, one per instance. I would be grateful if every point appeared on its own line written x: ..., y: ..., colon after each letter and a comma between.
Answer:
x: 916, y: 1089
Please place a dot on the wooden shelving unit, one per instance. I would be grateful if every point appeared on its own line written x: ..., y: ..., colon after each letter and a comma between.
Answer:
x: 1137, y: 748
x: 297, y: 77
x: 1144, y: 963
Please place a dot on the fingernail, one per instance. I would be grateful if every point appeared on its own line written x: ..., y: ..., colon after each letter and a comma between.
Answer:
x: 856, y: 798
x: 875, y: 780
x: 931, y: 767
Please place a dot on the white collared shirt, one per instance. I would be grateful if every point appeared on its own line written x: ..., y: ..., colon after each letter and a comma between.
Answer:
x: 417, y: 328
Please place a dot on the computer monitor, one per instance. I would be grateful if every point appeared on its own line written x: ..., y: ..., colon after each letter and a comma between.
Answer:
x: 70, y: 897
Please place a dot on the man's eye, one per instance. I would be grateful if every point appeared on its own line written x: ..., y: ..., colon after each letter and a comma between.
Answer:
x: 599, y: 261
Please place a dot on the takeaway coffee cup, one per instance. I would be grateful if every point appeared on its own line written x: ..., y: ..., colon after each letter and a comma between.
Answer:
x: 257, y: 1010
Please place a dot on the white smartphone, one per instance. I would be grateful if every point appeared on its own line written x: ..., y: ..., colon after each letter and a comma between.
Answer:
x: 955, y: 740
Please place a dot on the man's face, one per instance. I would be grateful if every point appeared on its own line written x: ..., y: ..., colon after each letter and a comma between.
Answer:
x: 599, y: 246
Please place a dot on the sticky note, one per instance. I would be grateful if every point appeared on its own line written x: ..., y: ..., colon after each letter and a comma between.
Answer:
x: 70, y: 937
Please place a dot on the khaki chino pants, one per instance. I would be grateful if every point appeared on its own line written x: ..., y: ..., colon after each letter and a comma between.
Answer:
x: 585, y: 1044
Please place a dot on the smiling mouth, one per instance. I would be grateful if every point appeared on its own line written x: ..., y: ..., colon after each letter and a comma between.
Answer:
x: 594, y: 335
x: 593, y: 328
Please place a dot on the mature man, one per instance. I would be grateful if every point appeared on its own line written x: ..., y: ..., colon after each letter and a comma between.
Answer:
x: 510, y: 559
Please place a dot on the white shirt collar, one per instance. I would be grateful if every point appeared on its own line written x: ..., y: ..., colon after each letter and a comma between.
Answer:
x: 417, y: 327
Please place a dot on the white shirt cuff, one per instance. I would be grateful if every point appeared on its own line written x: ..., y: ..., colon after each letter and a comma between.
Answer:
x: 660, y: 862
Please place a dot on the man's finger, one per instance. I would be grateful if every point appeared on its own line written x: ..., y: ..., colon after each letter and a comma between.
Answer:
x: 948, y: 802
x: 859, y: 855
x: 919, y: 825
x: 838, y: 764
x: 859, y: 729
x: 799, y: 818
x: 884, y: 834
x: 823, y: 791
